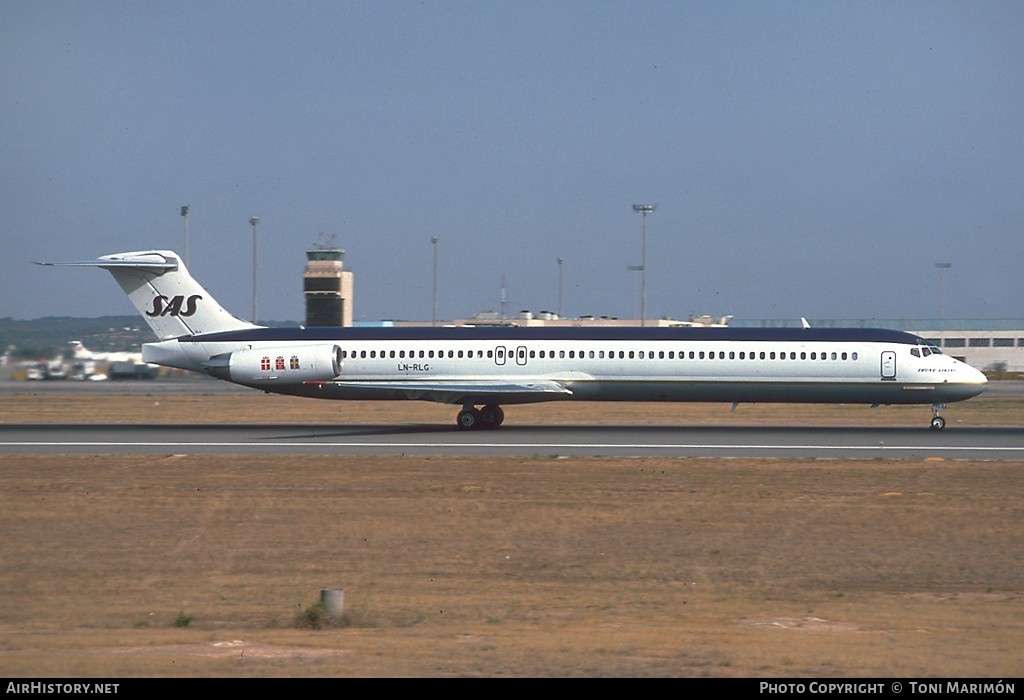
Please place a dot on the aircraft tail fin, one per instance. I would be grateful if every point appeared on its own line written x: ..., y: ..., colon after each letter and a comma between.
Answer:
x: 161, y: 288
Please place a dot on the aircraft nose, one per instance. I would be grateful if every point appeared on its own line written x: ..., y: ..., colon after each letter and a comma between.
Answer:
x: 974, y: 376
x: 980, y: 377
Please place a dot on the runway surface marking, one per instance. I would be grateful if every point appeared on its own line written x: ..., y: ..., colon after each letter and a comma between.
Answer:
x: 533, y: 445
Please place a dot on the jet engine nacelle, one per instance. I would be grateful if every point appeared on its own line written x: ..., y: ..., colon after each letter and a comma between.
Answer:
x: 293, y: 364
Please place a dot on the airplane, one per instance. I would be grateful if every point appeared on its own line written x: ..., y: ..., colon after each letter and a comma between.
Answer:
x: 481, y: 369
x: 83, y: 353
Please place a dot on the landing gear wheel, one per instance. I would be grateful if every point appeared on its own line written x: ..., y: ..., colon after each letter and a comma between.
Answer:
x: 938, y: 423
x: 469, y: 418
x: 491, y: 416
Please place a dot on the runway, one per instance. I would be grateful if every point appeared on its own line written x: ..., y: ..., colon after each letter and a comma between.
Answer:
x: 916, y: 443
x: 513, y: 439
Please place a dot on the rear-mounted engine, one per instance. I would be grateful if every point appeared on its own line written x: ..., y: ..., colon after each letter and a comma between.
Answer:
x: 282, y: 365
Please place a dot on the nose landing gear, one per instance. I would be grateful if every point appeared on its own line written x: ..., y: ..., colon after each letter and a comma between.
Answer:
x: 938, y: 422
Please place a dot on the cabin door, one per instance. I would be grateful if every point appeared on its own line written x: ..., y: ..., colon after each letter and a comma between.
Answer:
x: 499, y: 355
x: 521, y: 355
x: 889, y: 365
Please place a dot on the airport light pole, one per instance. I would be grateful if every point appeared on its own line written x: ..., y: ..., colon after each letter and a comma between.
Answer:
x: 560, y: 287
x: 184, y: 215
x: 634, y: 269
x: 255, y: 222
x: 942, y: 286
x: 434, y: 240
x: 643, y: 210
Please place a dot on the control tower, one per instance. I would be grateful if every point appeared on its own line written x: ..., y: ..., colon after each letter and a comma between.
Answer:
x: 327, y: 286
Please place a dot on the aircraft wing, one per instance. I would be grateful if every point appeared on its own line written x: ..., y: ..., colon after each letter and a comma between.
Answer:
x: 454, y: 391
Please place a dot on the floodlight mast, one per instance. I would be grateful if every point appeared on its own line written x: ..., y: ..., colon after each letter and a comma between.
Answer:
x: 255, y: 223
x: 942, y: 267
x: 561, y: 313
x: 434, y: 240
x: 184, y: 216
x: 643, y: 210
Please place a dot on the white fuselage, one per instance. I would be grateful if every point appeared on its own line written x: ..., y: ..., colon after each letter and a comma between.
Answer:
x: 697, y: 366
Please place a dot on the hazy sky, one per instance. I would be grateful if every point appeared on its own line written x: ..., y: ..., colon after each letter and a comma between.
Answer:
x: 808, y: 159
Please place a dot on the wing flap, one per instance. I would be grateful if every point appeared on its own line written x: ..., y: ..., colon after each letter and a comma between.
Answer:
x: 454, y: 391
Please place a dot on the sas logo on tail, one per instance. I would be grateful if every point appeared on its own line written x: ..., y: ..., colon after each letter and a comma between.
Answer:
x: 162, y: 306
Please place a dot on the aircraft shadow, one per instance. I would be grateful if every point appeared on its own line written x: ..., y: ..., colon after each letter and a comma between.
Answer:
x: 320, y: 431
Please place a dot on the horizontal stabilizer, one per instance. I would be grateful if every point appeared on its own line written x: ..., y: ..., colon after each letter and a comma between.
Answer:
x: 145, y: 261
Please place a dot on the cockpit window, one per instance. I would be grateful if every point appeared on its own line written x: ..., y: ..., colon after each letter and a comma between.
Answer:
x: 915, y: 352
x: 935, y: 350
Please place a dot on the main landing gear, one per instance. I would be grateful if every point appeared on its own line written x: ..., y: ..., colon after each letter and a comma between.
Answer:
x: 471, y: 418
x: 938, y: 422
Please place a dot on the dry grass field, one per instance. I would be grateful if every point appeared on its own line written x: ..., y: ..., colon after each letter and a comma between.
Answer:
x: 224, y: 404
x: 207, y: 566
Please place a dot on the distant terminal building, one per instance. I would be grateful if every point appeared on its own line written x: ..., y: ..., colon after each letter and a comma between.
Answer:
x: 327, y: 286
x: 991, y: 345
x: 551, y: 319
